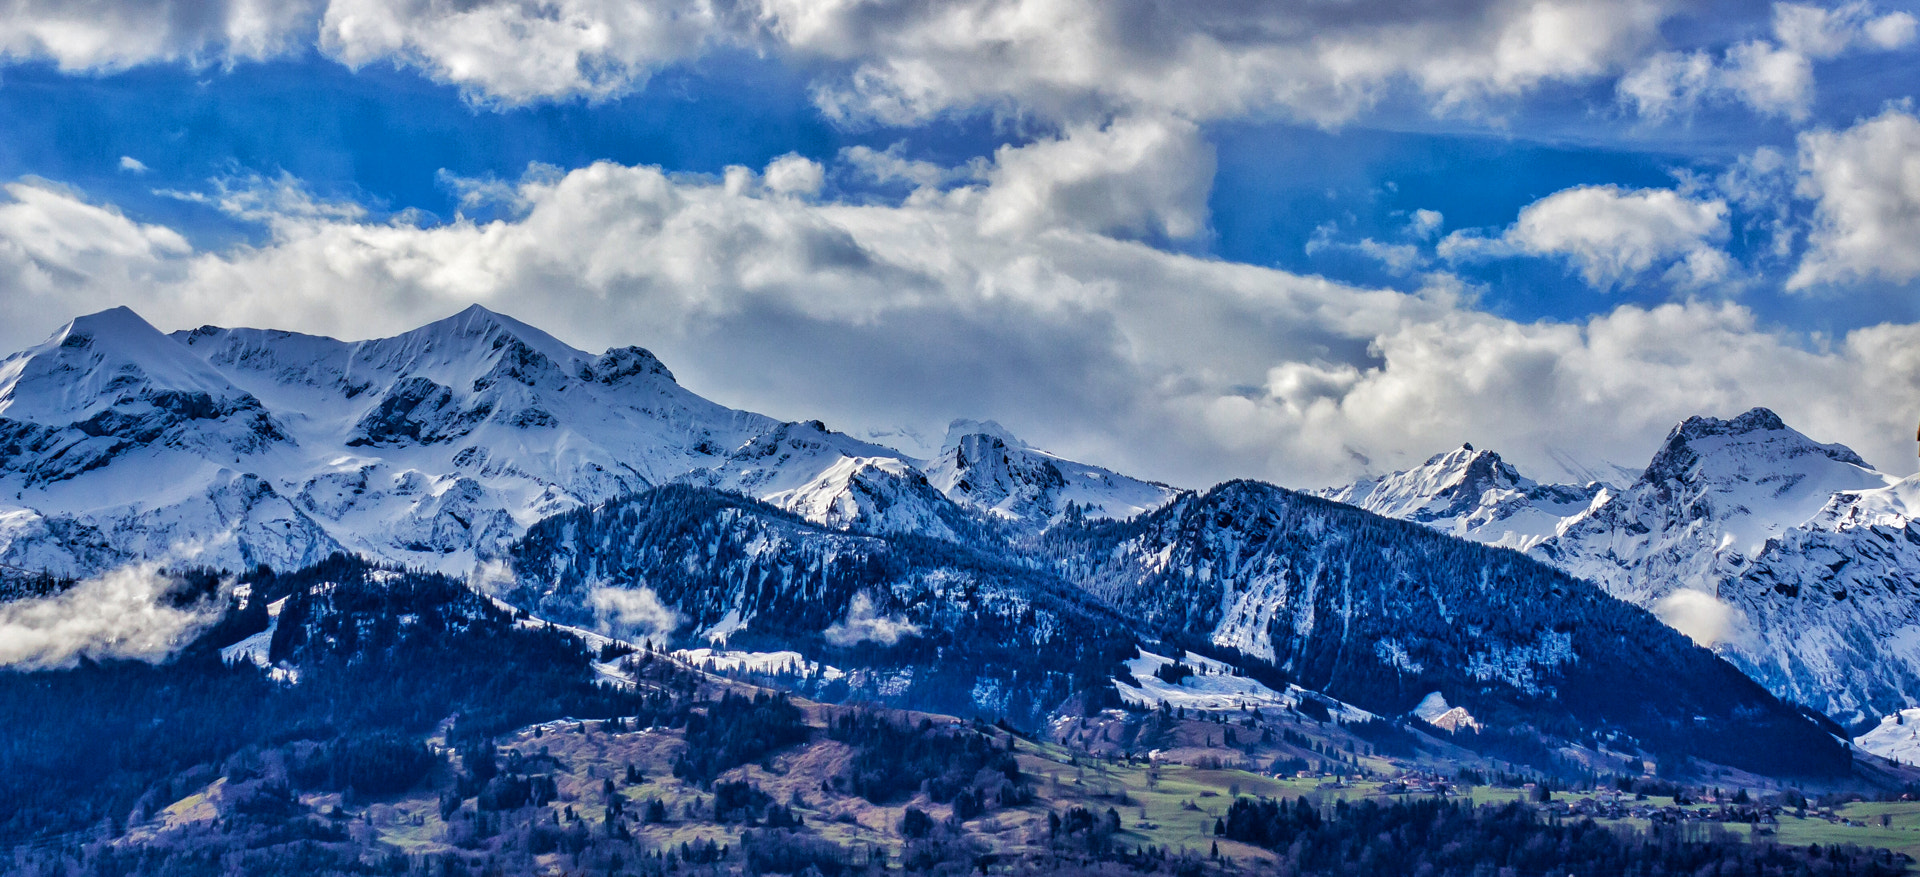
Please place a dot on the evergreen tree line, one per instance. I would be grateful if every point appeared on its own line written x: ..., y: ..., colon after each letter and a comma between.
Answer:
x: 1442, y: 838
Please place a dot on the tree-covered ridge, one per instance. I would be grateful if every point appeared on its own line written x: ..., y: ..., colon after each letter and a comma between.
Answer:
x: 381, y: 656
x: 1380, y: 612
x: 917, y: 621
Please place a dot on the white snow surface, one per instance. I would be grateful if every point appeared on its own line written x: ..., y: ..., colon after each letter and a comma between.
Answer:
x: 1214, y: 687
x: 1434, y: 710
x: 1896, y: 738
x: 780, y: 662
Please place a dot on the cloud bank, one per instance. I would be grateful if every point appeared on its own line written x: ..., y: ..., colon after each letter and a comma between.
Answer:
x: 906, y: 61
x: 1028, y: 289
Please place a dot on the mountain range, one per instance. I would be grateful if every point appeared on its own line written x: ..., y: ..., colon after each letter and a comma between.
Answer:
x: 595, y: 491
x: 434, y: 449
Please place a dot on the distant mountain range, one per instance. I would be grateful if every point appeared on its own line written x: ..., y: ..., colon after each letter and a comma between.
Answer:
x: 435, y: 448
x: 993, y: 577
x: 1796, y: 560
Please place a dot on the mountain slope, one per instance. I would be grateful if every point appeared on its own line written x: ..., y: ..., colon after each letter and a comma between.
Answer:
x: 1380, y: 613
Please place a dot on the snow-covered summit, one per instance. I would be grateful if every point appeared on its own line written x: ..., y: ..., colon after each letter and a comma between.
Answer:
x: 1709, y: 500
x: 1472, y: 494
x: 983, y: 467
x: 961, y: 428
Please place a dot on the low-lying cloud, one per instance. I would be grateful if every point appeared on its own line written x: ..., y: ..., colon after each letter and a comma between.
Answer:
x: 1701, y: 616
x: 127, y: 614
x: 634, y: 613
x: 864, y: 624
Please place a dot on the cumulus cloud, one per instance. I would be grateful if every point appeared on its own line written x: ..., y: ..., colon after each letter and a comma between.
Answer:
x: 1134, y: 177
x: 1700, y: 616
x: 60, y: 253
x: 1865, y: 182
x: 1773, y: 77
x: 905, y: 61
x: 128, y: 613
x: 795, y: 175
x: 633, y: 613
x: 518, y: 51
x: 132, y: 165
x: 1613, y: 234
x: 864, y: 624
x: 103, y: 37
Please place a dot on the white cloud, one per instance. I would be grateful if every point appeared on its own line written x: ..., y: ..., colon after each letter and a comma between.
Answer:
x: 1613, y: 234
x: 905, y: 61
x: 1865, y: 182
x: 892, y: 165
x: 1822, y: 33
x: 1605, y: 389
x: 634, y: 613
x: 795, y: 175
x: 1321, y: 62
x: 132, y: 165
x: 123, y: 614
x: 1771, y: 77
x: 518, y: 51
x: 1134, y: 177
x: 1698, y: 615
x: 1400, y: 259
x: 1424, y: 224
x: 108, y: 36
x: 61, y: 254
x: 864, y: 624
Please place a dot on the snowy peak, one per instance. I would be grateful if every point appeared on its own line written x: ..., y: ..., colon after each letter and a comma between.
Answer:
x: 1746, y: 480
x: 621, y: 364
x: 1472, y: 494
x: 1447, y: 485
x: 961, y: 428
x: 99, y: 361
x: 1746, y: 447
x: 992, y: 472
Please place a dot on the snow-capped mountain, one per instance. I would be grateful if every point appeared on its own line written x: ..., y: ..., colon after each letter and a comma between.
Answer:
x: 433, y: 448
x: 1381, y: 614
x: 984, y: 467
x: 1712, y: 496
x: 1472, y: 495
x: 1793, y: 558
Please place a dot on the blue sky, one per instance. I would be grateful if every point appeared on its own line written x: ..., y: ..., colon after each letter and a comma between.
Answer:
x: 1195, y: 241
